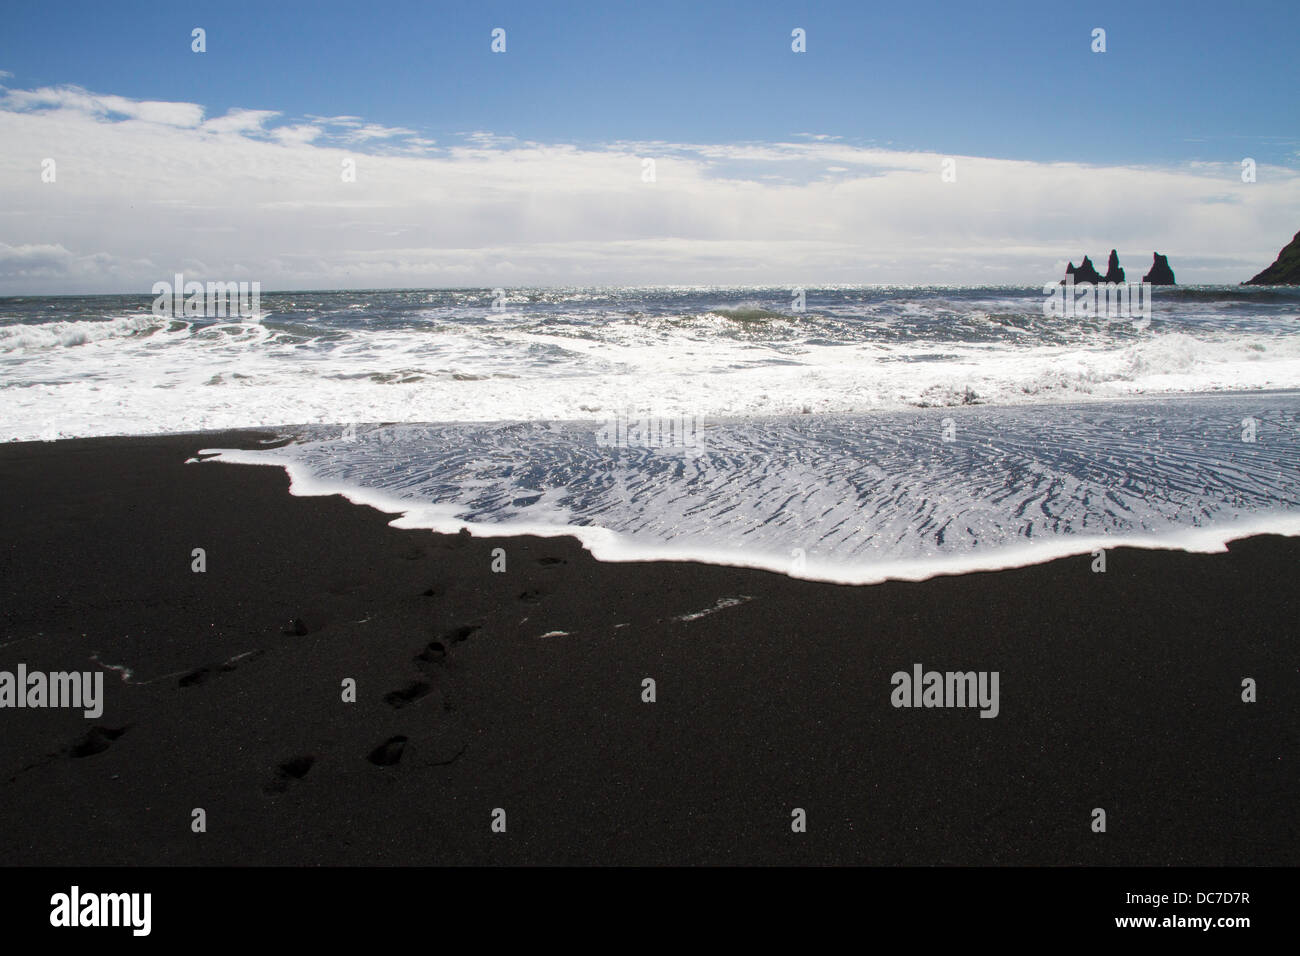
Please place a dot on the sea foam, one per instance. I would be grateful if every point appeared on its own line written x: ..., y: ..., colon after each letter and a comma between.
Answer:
x: 852, y: 499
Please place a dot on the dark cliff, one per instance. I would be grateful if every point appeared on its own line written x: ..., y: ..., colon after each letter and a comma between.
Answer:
x: 1286, y: 268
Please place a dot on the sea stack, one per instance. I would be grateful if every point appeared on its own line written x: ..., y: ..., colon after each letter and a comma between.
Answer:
x: 1160, y: 273
x: 1285, y: 270
x: 1113, y: 272
x: 1087, y: 272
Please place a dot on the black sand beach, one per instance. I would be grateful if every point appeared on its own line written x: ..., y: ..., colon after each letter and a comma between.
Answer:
x: 1119, y: 691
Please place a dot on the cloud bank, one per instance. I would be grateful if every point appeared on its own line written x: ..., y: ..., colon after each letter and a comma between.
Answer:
x: 143, y: 189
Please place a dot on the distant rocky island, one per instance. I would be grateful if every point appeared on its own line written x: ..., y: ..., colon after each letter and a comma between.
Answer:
x: 1160, y: 273
x: 1285, y: 270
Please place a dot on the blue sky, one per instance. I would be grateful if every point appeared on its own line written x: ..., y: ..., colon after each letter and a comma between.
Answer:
x: 474, y: 168
x: 1179, y: 81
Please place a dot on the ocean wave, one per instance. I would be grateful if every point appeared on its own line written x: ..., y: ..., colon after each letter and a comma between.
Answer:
x: 751, y: 312
x: 69, y: 334
x: 439, y: 356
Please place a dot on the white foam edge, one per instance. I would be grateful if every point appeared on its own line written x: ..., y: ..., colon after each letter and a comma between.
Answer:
x: 609, y: 546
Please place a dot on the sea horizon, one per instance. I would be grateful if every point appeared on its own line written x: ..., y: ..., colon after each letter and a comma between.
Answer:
x: 653, y: 286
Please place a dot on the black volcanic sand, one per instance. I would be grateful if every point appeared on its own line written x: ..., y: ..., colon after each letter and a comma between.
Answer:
x: 1118, y: 690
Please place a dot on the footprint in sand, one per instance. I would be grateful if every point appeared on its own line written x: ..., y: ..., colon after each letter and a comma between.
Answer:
x: 435, y: 653
x: 458, y: 634
x: 96, y: 741
x: 287, y: 772
x: 412, y: 692
x: 388, y: 753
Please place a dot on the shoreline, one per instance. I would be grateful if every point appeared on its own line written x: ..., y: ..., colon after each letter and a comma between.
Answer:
x: 610, y: 546
x: 1118, y: 690
x: 605, y: 546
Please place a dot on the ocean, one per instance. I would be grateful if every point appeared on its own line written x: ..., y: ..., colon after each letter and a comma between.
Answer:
x: 878, y: 432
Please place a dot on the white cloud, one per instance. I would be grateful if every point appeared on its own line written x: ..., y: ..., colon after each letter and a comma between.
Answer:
x: 145, y: 187
x: 299, y: 135
x: 375, y: 131
x: 48, y: 259
x: 337, y: 120
x: 73, y: 99
x: 51, y: 261
x: 240, y: 121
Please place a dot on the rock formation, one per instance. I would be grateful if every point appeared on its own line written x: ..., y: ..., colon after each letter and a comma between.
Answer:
x: 1286, y: 268
x: 1113, y: 272
x: 1160, y: 273
x: 1087, y: 272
